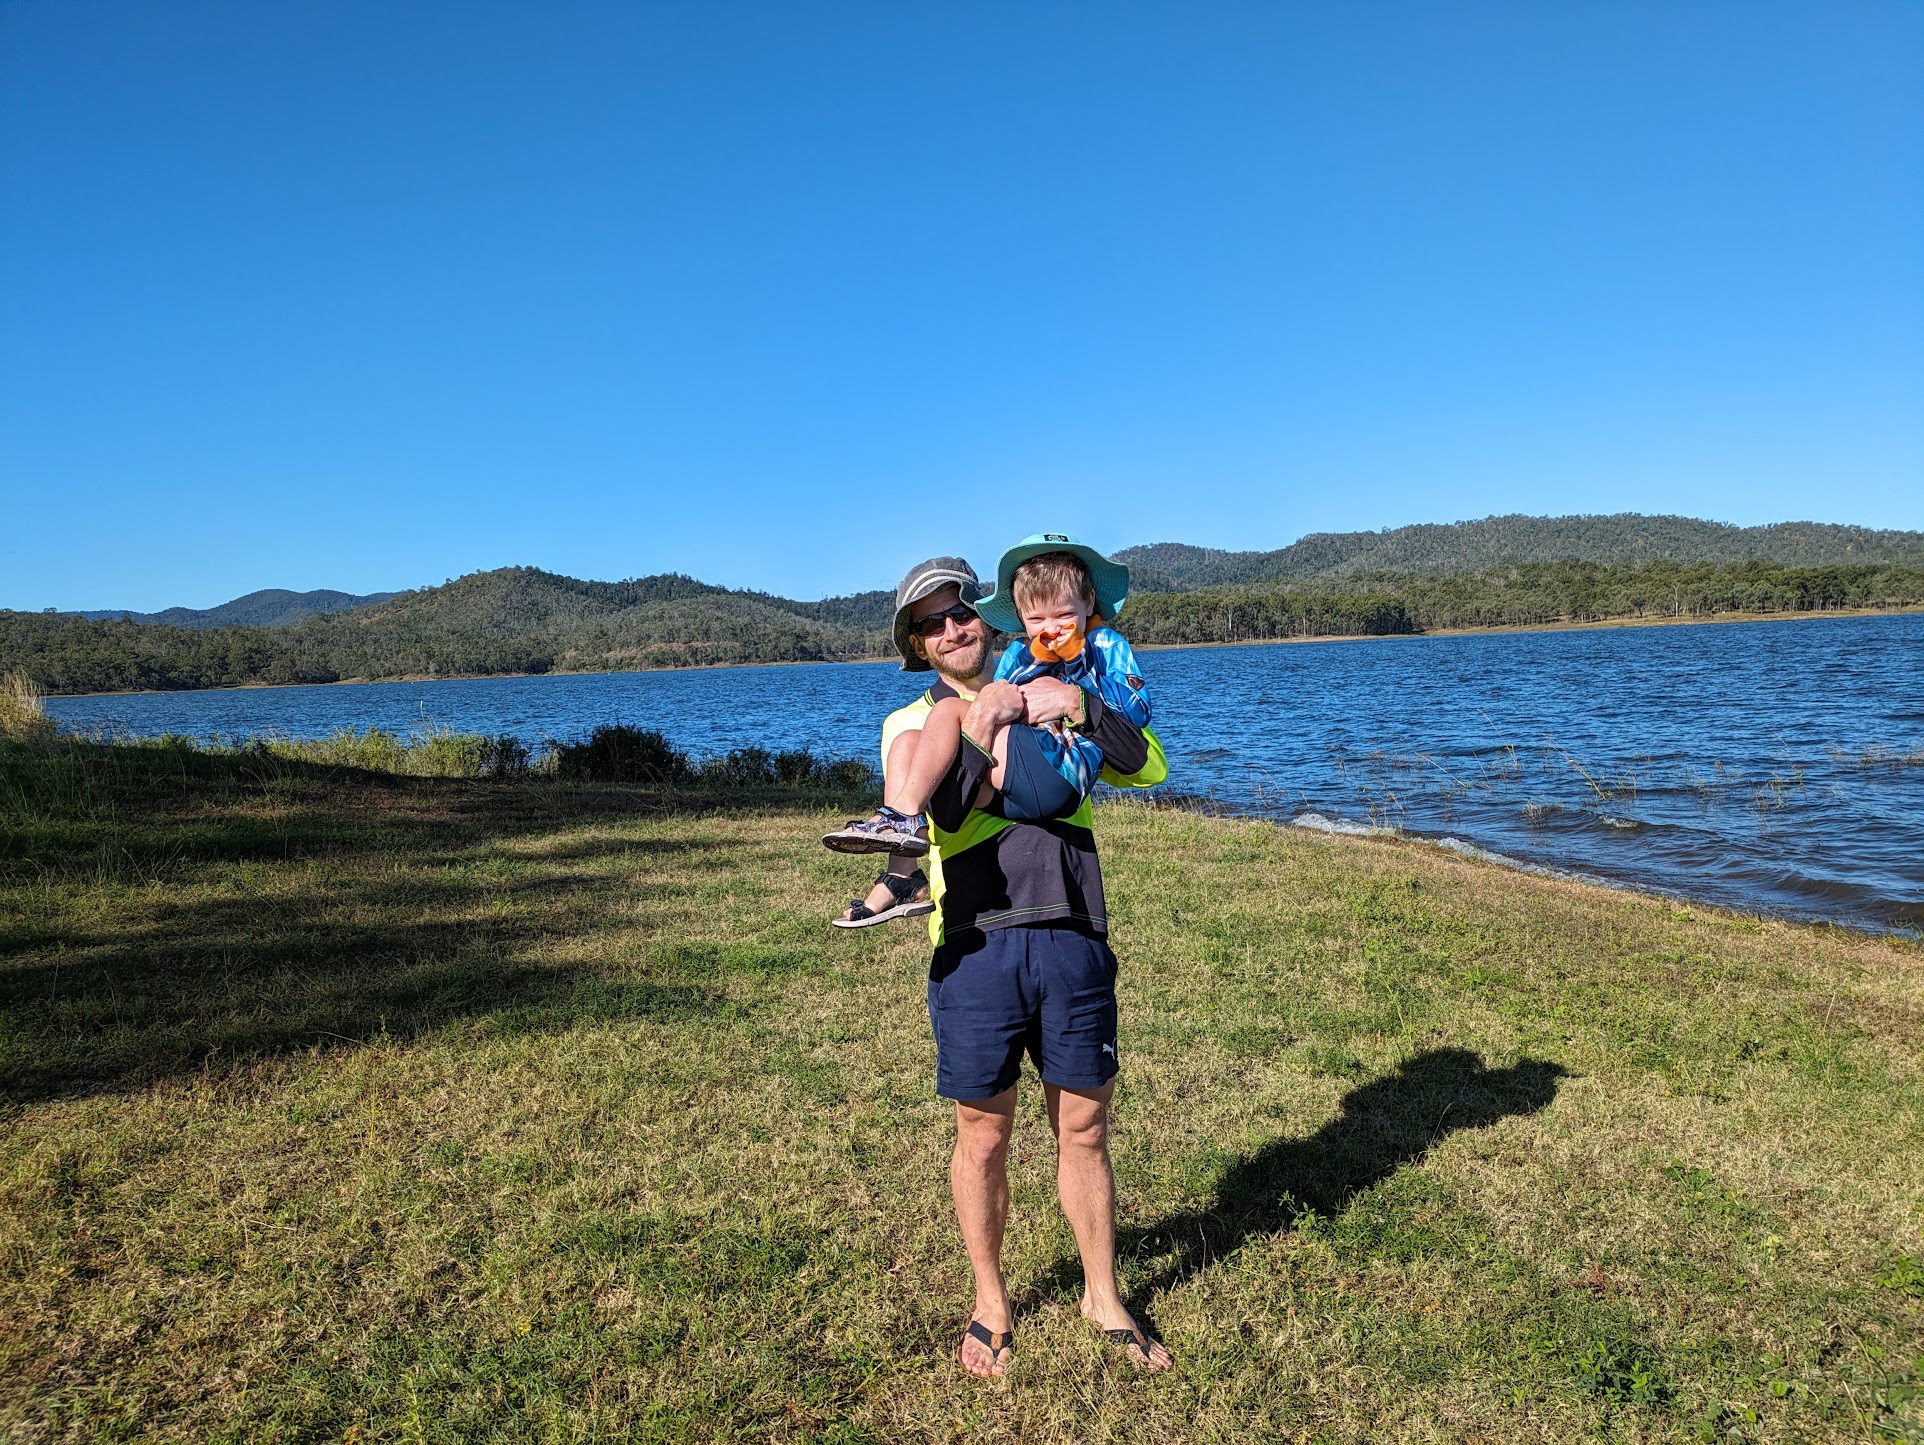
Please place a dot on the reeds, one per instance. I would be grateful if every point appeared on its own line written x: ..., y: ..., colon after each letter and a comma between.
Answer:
x: 23, y: 716
x: 437, y: 753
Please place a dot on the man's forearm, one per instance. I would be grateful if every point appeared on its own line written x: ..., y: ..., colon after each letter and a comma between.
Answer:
x: 954, y: 795
x: 981, y: 723
x: 1124, y: 748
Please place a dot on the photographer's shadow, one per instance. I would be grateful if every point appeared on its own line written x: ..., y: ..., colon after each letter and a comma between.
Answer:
x: 1381, y: 1126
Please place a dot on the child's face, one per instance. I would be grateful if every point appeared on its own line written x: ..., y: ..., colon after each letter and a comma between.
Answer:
x: 1055, y: 614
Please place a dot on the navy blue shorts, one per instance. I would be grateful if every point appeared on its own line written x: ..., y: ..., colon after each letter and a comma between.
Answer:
x: 1032, y: 785
x: 1047, y: 992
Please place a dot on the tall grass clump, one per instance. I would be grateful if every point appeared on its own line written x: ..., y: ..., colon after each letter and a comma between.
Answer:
x: 621, y: 753
x: 23, y: 717
x: 440, y: 753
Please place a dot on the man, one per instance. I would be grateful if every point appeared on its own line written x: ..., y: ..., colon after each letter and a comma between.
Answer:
x: 1021, y: 959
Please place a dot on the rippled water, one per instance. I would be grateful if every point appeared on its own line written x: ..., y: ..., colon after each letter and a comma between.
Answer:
x: 1775, y: 767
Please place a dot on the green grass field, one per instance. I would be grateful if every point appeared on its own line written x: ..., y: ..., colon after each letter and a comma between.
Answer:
x: 350, y: 1107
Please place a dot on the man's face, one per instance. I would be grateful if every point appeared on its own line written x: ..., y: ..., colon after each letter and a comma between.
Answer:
x: 960, y: 650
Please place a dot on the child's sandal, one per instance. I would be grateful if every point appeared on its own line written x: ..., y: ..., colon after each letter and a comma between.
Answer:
x: 887, y: 832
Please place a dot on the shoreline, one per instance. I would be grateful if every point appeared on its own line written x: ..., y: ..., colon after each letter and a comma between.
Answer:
x: 1608, y: 623
x: 1469, y: 851
x: 1603, y: 624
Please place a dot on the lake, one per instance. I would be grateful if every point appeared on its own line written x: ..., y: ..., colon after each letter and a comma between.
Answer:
x: 1774, y: 767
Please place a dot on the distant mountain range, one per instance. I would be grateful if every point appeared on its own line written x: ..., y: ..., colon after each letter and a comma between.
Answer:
x: 1509, y: 541
x: 1498, y: 571
x: 1625, y: 538
x: 270, y: 607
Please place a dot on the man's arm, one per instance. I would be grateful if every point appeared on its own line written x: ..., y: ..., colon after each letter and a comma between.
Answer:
x: 1132, y: 757
x: 994, y: 708
x: 1124, y: 747
x: 954, y: 795
x: 1154, y: 771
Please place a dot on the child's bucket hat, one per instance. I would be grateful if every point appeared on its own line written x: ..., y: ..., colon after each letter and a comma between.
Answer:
x: 1111, y: 579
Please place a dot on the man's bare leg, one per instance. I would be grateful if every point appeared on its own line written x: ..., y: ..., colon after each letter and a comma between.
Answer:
x: 1086, y: 1185
x: 979, y: 1177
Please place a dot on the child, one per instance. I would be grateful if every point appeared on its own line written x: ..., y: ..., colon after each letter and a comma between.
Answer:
x: 1060, y: 592
x: 1057, y: 592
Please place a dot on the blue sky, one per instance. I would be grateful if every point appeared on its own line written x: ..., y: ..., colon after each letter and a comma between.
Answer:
x: 787, y: 296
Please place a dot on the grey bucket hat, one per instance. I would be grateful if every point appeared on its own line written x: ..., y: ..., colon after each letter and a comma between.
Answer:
x: 924, y: 578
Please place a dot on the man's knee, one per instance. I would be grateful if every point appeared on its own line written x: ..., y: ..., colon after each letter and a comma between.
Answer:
x: 983, y: 1152
x: 1081, y: 1122
x: 982, y: 1137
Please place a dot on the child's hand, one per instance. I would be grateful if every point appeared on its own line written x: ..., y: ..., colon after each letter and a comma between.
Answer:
x: 1057, y: 644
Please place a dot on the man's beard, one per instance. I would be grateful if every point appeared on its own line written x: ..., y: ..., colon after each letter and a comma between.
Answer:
x: 963, y: 665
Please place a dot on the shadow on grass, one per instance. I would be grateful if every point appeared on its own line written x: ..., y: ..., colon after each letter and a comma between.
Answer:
x: 164, y: 912
x: 1382, y: 1126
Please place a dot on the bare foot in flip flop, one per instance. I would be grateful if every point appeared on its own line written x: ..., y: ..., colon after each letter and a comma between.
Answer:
x: 1138, y: 1346
x: 984, y: 1353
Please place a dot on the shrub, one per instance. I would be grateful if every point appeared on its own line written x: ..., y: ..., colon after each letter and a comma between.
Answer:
x: 505, y: 756
x: 757, y: 767
x: 377, y: 750
x: 618, y: 753
x: 438, y: 754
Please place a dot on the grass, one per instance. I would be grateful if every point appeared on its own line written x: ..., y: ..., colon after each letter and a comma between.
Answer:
x: 23, y: 714
x: 345, y: 1106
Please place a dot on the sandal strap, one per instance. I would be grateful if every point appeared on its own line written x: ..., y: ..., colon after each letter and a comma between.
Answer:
x: 900, y: 888
x: 858, y: 909
x: 994, y: 1344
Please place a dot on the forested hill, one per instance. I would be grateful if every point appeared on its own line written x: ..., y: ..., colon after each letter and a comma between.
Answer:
x: 271, y: 607
x: 520, y: 619
x: 1509, y: 541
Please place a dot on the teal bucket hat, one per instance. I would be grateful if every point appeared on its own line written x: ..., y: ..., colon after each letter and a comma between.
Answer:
x: 1111, y: 579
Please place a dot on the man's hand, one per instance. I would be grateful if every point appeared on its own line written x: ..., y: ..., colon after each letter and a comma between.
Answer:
x: 996, y: 706
x: 1049, y: 698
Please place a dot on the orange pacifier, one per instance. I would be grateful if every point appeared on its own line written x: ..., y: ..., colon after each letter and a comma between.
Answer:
x: 1058, y: 644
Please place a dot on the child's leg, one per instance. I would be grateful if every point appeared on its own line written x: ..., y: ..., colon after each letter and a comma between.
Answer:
x: 908, y: 789
x: 1036, y: 779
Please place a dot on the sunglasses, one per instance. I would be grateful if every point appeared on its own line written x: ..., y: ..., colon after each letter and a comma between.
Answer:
x: 961, y: 615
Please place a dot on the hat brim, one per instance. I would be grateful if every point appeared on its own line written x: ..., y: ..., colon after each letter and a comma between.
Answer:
x: 1111, y: 581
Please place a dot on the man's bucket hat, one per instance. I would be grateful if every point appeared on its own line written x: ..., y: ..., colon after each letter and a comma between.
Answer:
x: 1111, y: 579
x: 924, y: 578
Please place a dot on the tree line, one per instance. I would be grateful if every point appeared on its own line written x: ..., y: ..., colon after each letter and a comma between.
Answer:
x: 1529, y: 594
x: 508, y: 633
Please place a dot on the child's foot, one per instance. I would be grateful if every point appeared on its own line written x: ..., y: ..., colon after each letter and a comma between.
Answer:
x: 886, y: 832
x: 893, y: 896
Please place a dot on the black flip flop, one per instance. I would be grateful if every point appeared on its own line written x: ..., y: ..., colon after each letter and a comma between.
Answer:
x: 1137, y: 1339
x: 993, y: 1343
